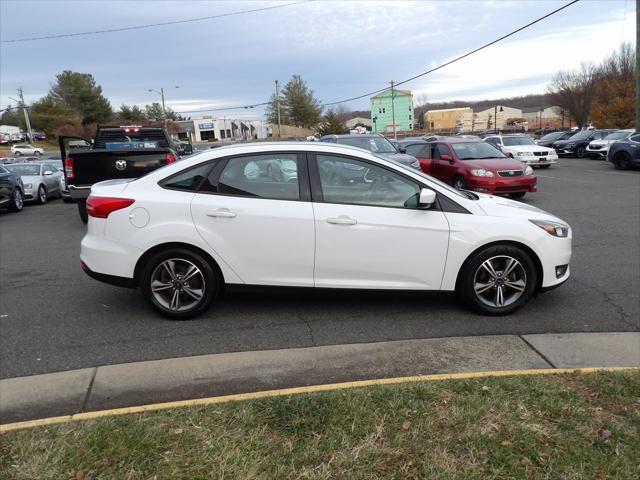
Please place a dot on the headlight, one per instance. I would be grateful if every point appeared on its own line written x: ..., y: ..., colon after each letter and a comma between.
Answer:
x: 570, y: 145
x: 415, y: 164
x: 528, y: 170
x: 28, y: 185
x: 524, y: 154
x: 552, y: 228
x: 481, y: 172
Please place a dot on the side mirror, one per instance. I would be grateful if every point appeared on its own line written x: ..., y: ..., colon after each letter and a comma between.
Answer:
x: 402, y: 150
x: 446, y: 158
x: 427, y: 198
x: 48, y: 172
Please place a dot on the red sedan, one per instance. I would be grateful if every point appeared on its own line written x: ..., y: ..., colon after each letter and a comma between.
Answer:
x: 473, y: 165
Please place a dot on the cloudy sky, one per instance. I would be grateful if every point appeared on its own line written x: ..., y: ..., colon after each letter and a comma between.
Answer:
x: 342, y: 49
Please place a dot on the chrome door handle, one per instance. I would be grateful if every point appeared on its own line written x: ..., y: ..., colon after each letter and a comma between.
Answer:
x: 221, y: 212
x: 342, y: 220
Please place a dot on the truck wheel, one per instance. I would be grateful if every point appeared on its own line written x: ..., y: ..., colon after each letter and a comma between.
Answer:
x: 82, y: 210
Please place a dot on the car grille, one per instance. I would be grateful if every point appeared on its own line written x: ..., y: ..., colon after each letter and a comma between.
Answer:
x: 596, y: 147
x: 540, y: 154
x: 510, y: 173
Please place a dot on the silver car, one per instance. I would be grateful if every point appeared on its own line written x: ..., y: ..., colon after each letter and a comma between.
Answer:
x: 41, y: 180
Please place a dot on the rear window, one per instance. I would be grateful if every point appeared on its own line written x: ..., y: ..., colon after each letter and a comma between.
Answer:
x: 120, y: 139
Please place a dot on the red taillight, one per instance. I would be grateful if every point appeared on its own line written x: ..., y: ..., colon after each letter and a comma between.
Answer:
x: 170, y: 158
x: 68, y: 168
x: 101, y: 207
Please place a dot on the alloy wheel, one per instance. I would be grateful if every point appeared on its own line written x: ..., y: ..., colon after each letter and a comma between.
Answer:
x: 18, y: 201
x: 500, y: 281
x: 42, y: 195
x: 177, y: 285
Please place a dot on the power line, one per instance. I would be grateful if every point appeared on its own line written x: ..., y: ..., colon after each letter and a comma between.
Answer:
x: 151, y: 25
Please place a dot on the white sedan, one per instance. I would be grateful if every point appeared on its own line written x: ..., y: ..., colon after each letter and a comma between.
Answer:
x: 523, y: 148
x: 349, y: 220
x: 19, y: 150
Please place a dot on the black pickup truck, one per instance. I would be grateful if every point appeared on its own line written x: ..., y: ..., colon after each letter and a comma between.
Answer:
x: 116, y: 152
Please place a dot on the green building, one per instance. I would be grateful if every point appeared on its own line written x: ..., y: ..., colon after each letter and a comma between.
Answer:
x: 382, y: 113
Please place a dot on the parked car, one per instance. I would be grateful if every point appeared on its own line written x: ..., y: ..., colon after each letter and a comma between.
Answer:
x: 576, y: 145
x: 117, y: 152
x: 599, y: 148
x: 41, y: 181
x: 181, y: 232
x: 25, y: 149
x: 625, y: 154
x: 39, y: 136
x: 421, y: 149
x: 479, y: 166
x: 524, y: 149
x: 549, y: 139
x: 375, y: 143
x: 5, y: 160
x: 11, y: 190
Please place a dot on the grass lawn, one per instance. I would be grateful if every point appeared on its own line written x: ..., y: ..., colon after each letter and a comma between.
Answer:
x: 570, y: 426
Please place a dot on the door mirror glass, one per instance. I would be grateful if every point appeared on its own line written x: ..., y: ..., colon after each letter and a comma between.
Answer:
x: 427, y: 198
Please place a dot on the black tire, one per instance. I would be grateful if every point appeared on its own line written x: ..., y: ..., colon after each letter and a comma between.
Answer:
x: 544, y: 166
x: 459, y: 183
x: 622, y: 161
x: 210, y: 286
x: 36, y: 153
x: 517, y: 194
x: 18, y: 154
x: 82, y: 210
x: 472, y: 268
x: 17, y: 201
x: 67, y: 199
x: 41, y: 197
x: 580, y: 152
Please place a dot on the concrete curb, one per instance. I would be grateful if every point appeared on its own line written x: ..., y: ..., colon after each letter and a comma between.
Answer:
x: 75, y: 394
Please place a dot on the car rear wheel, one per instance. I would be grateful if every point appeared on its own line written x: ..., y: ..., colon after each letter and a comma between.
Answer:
x: 17, y: 201
x: 622, y: 161
x: 459, y: 183
x: 42, y: 195
x: 497, y: 280
x: 18, y: 154
x: 179, y: 283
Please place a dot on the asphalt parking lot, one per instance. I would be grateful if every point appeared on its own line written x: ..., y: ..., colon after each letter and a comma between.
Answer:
x: 53, y: 317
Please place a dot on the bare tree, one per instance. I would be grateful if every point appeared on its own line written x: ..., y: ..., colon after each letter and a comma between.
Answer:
x: 573, y: 91
x: 613, y: 103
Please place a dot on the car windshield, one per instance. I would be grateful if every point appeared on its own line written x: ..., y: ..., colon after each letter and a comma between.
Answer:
x: 373, y: 144
x: 622, y: 134
x: 24, y: 169
x: 581, y: 135
x: 511, y: 141
x: 476, y: 151
x: 449, y: 188
x: 552, y: 136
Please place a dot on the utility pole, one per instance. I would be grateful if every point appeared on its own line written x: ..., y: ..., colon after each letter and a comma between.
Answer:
x: 26, y: 115
x: 164, y: 110
x: 393, y: 110
x: 278, y: 107
x: 637, y: 66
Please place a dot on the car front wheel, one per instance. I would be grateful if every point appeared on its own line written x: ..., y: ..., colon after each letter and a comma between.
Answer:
x: 42, y: 195
x: 622, y: 161
x: 580, y: 152
x: 179, y: 283
x: 497, y: 280
x: 17, y: 201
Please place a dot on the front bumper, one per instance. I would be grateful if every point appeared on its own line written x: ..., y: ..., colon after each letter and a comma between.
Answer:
x: 501, y: 185
x: 30, y: 194
x: 537, y: 161
x: 599, y: 153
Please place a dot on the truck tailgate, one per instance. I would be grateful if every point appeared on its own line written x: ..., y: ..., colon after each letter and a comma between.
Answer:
x: 92, y: 166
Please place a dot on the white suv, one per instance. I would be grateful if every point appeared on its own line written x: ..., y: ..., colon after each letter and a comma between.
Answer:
x: 599, y: 148
x: 523, y: 148
x: 18, y: 150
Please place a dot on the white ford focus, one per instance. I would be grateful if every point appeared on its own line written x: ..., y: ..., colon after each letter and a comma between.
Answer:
x: 315, y: 215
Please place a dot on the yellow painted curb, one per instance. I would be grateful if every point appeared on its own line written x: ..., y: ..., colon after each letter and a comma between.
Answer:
x: 9, y: 427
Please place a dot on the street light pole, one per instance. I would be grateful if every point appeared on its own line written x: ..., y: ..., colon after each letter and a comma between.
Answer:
x: 278, y: 108
x: 164, y: 110
x: 26, y: 115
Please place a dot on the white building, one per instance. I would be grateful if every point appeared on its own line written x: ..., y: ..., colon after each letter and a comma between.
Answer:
x: 213, y: 129
x: 356, y: 121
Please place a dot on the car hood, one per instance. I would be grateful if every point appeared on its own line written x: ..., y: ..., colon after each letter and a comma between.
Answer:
x: 601, y: 142
x: 503, y: 207
x: 399, y: 157
x: 495, y: 164
x: 562, y: 143
x: 527, y: 148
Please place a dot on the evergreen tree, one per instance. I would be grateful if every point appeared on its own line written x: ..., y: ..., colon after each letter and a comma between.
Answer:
x: 331, y: 124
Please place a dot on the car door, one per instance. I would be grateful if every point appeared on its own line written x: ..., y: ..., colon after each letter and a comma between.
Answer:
x: 52, y: 180
x: 371, y: 233
x: 260, y: 225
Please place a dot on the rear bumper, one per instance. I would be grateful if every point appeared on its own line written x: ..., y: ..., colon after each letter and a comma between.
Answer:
x: 80, y: 192
x: 110, y: 279
x: 499, y: 185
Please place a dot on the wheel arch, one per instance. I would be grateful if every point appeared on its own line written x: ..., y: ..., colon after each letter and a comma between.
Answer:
x: 165, y: 246
x: 528, y: 250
